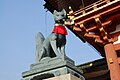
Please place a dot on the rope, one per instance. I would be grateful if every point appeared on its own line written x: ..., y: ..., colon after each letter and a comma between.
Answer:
x: 83, y: 3
x: 45, y: 23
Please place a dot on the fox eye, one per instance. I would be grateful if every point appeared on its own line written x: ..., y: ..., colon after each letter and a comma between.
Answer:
x: 57, y: 15
x: 62, y: 15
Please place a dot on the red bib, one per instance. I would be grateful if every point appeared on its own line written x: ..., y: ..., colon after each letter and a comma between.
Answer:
x: 60, y: 30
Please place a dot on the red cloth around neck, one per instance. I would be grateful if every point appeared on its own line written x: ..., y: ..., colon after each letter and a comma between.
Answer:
x: 59, y: 29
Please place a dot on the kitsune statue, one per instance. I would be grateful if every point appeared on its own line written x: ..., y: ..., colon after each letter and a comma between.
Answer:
x: 57, y: 39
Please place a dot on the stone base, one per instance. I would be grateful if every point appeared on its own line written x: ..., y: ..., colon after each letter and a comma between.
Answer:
x: 64, y: 77
x: 51, y: 67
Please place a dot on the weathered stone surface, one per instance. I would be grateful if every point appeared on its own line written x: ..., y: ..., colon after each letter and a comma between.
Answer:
x: 52, y: 62
x: 51, y: 66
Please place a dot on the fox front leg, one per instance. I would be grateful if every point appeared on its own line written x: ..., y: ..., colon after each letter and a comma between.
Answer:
x: 53, y: 43
x: 62, y: 50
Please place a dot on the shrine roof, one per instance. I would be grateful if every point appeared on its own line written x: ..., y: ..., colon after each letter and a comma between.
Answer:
x: 95, y: 70
x: 52, y: 5
x: 85, y: 12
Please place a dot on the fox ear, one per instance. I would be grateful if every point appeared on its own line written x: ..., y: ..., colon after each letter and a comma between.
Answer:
x: 64, y: 12
x: 54, y: 12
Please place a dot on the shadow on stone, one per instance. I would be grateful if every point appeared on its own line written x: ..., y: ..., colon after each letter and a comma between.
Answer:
x: 42, y: 76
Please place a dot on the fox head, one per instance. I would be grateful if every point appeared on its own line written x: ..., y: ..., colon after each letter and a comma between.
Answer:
x: 59, y: 16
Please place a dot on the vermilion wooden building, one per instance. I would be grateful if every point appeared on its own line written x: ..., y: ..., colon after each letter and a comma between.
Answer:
x: 98, y: 23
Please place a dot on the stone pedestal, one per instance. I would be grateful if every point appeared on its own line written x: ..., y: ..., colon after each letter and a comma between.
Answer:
x: 64, y: 77
x: 52, y: 67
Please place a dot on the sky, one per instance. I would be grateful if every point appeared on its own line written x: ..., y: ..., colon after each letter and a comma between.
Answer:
x: 20, y: 20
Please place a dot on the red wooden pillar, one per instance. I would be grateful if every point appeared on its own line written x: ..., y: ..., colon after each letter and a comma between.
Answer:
x: 112, y: 61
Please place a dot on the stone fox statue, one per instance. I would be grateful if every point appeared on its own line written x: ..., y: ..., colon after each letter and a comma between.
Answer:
x: 57, y: 39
